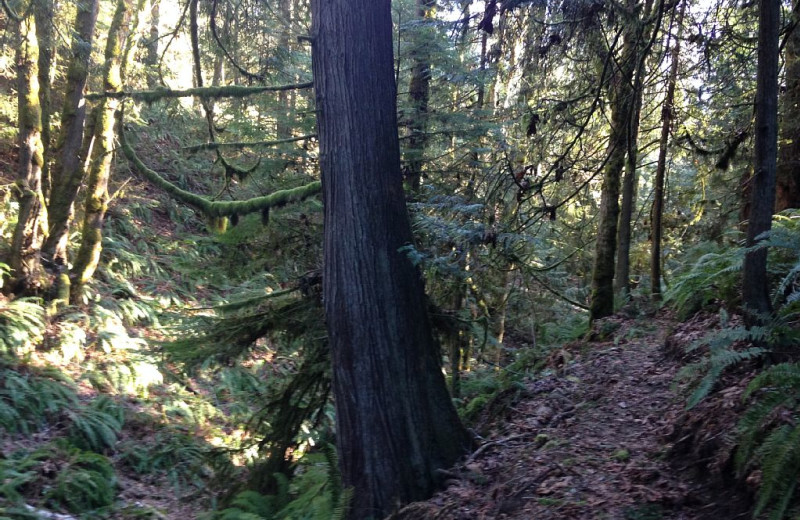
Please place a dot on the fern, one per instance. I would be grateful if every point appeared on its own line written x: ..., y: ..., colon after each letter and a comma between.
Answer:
x: 769, y: 436
x: 96, y: 426
x: 29, y: 400
x: 22, y: 325
x: 86, y: 483
x: 721, y: 356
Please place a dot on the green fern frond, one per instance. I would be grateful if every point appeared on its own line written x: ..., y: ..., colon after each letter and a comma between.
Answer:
x: 780, y: 456
x: 96, y: 426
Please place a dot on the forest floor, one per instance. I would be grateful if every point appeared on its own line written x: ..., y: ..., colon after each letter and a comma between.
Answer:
x: 589, y: 441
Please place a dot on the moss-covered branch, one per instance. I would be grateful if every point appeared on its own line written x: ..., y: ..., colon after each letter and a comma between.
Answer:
x: 229, y: 91
x: 211, y: 208
x: 251, y: 144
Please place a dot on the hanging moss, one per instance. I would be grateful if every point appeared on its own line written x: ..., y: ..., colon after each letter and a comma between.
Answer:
x: 211, y: 208
x: 230, y: 91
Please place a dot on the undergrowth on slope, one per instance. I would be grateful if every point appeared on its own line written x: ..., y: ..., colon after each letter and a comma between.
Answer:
x: 768, y: 431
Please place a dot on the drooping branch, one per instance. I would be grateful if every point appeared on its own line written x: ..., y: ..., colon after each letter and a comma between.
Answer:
x: 212, y: 208
x: 213, y: 23
x: 251, y: 144
x: 230, y: 91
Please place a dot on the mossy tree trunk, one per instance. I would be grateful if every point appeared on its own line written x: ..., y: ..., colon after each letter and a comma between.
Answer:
x: 31, y: 228
x: 395, y: 421
x: 621, y: 99
x: 100, y: 163
x: 68, y: 170
x: 45, y: 30
x: 151, y: 58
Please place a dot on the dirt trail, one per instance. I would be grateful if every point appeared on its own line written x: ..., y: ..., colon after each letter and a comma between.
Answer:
x: 585, y: 443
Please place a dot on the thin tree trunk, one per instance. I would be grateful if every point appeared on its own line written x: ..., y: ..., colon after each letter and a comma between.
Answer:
x: 68, y: 169
x: 667, y: 113
x: 31, y: 228
x: 100, y: 165
x: 755, y: 287
x: 623, y: 267
x: 788, y: 173
x: 419, y: 92
x: 43, y: 13
x: 283, y: 127
x: 396, y: 425
x: 151, y: 58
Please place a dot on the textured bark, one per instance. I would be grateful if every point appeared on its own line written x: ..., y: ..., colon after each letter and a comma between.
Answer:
x: 100, y: 163
x: 621, y: 100
x: 67, y: 171
x: 31, y: 228
x: 419, y: 93
x: 788, y: 173
x: 395, y: 422
x: 151, y: 58
x: 755, y: 288
x: 667, y: 113
x: 43, y: 13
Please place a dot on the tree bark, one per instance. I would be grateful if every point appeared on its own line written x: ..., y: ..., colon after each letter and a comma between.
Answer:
x: 755, y: 288
x: 395, y: 422
x: 43, y: 13
x: 788, y: 173
x: 667, y: 113
x: 67, y: 171
x: 621, y: 101
x: 151, y: 58
x: 31, y: 228
x: 100, y: 165
x: 419, y: 93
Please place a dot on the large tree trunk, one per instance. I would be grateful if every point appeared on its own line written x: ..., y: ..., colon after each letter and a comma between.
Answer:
x: 31, y: 228
x: 788, y: 173
x: 755, y: 289
x: 68, y: 168
x: 100, y: 165
x: 395, y: 422
x: 667, y: 113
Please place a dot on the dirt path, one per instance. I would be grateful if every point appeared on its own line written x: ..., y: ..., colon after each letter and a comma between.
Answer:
x: 586, y: 443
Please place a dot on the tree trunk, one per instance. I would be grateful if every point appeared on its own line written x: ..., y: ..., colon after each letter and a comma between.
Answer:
x: 667, y: 113
x: 788, y: 173
x: 100, y: 164
x: 621, y: 101
x: 395, y: 422
x: 43, y: 13
x: 31, y: 228
x: 755, y: 289
x: 68, y: 168
x: 419, y: 93
x: 151, y: 58
x: 623, y: 267
x: 283, y: 128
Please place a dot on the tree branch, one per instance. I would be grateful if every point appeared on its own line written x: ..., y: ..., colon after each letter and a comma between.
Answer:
x: 217, y: 208
x: 230, y: 91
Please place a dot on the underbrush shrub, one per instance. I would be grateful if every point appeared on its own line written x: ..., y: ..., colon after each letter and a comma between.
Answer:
x: 767, y: 439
